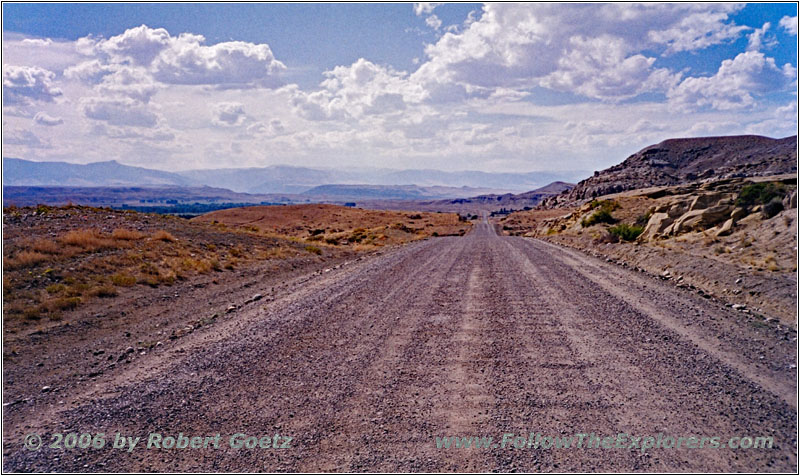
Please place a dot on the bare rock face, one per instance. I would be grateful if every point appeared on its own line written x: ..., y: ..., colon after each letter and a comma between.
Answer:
x: 726, y: 228
x: 656, y: 225
x: 682, y: 161
x: 702, y: 219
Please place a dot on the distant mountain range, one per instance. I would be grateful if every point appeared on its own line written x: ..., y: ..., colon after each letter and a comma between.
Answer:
x: 97, y: 174
x: 281, y: 179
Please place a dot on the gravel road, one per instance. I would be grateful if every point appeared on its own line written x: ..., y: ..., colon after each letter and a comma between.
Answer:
x: 481, y: 335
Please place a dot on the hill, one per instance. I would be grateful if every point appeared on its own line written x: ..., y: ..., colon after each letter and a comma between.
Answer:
x: 98, y: 174
x: 389, y: 192
x: 679, y: 161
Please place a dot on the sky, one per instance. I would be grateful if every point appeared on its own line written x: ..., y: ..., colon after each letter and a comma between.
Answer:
x: 490, y: 87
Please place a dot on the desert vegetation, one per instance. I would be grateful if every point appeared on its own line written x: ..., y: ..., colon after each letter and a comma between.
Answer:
x: 57, y: 258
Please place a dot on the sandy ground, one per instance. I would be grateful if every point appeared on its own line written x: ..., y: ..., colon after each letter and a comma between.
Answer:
x: 365, y: 364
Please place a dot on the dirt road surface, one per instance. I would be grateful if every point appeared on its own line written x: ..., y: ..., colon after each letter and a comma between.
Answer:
x: 479, y: 335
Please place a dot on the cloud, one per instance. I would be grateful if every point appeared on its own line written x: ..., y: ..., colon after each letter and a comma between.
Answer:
x: 24, y: 137
x: 698, y: 31
x: 424, y: 8
x: 131, y: 82
x: 734, y: 85
x: 91, y: 72
x: 789, y: 24
x: 363, y: 88
x: 38, y: 41
x: 43, y: 119
x: 140, y: 45
x: 23, y: 85
x: 229, y: 114
x: 119, y: 112
x: 601, y: 68
x: 158, y: 134
x: 562, y: 46
x: 232, y: 64
x: 182, y: 59
x: 758, y: 39
x: 434, y: 22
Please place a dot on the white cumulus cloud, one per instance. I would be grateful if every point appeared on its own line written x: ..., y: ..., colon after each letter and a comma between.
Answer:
x: 43, y: 119
x: 789, y: 24
x: 229, y: 114
x: 119, y: 111
x: 24, y: 85
x: 734, y: 85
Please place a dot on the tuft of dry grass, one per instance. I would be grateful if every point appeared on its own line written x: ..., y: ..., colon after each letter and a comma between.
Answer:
x: 25, y: 259
x: 87, y: 240
x: 164, y: 235
x: 46, y: 246
x: 122, y: 279
x: 103, y: 291
x: 124, y: 234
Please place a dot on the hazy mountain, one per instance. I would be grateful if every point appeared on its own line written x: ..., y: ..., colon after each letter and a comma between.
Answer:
x: 272, y: 179
x: 390, y: 192
x: 275, y: 179
x: 289, y: 179
x: 110, y: 173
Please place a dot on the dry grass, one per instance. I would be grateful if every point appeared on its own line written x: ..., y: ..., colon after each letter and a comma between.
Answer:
x: 123, y: 280
x: 46, y: 246
x: 124, y: 234
x: 163, y: 235
x: 25, y: 259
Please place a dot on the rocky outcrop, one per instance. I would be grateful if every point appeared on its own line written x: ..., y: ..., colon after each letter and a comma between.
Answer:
x: 710, y: 206
x: 682, y: 161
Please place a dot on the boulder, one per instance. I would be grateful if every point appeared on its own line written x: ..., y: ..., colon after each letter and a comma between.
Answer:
x: 705, y: 200
x: 656, y: 225
x: 678, y: 209
x: 738, y: 213
x: 702, y: 219
x: 726, y: 228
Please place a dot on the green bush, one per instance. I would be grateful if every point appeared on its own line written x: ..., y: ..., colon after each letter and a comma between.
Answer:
x: 600, y: 216
x: 314, y: 250
x: 772, y: 207
x: 626, y: 232
x: 608, y: 205
x: 760, y: 194
x: 642, y: 220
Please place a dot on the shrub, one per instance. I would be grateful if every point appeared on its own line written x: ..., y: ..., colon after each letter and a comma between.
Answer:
x: 314, y: 250
x: 600, y: 216
x: 124, y: 280
x: 104, y: 291
x: 609, y: 205
x: 642, y: 220
x: 65, y: 304
x: 55, y: 288
x: 772, y: 207
x: 316, y: 232
x: 626, y: 232
x: 760, y: 193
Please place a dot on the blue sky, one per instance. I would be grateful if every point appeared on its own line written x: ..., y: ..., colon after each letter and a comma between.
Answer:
x: 515, y: 87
